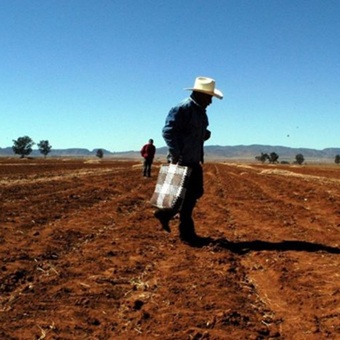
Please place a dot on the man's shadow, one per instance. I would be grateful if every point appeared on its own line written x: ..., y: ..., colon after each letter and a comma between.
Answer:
x: 257, y: 245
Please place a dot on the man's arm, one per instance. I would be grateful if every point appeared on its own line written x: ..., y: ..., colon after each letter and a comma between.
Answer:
x: 170, y: 134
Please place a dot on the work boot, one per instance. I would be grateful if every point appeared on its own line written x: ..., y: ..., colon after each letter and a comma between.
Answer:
x: 164, y: 217
x: 186, y: 229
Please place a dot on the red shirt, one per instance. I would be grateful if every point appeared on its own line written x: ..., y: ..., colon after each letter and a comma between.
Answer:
x: 148, y: 151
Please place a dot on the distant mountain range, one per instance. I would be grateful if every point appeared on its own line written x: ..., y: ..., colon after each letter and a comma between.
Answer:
x: 212, y: 152
x: 285, y: 153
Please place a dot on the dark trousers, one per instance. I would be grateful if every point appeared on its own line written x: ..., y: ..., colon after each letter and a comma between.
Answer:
x: 194, y: 192
x: 147, y: 167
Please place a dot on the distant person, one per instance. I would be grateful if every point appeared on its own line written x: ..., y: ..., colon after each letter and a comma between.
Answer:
x: 184, y: 132
x: 148, y: 153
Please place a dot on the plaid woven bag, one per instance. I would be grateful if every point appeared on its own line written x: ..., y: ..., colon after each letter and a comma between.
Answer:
x: 171, y: 186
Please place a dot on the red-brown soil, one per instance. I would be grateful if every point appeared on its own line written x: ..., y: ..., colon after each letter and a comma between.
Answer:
x: 82, y: 256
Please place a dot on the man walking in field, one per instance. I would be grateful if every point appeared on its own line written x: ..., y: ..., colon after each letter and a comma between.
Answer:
x: 185, y: 132
x: 148, y: 153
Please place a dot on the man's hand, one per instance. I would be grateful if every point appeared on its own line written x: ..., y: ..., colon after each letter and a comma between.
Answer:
x: 174, y: 159
x: 207, y: 135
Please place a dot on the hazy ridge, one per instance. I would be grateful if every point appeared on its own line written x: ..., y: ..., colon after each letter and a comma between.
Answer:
x: 247, y: 152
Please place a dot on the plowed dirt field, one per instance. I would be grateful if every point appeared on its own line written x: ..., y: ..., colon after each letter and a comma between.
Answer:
x: 82, y: 256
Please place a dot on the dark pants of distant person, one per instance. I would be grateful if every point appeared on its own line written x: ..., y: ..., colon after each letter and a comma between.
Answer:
x: 194, y: 192
x: 147, y: 167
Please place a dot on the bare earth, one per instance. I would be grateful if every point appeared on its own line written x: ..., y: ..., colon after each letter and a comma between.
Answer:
x: 82, y: 256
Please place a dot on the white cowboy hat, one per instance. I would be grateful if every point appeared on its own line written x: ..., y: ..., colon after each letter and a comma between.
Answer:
x: 206, y: 85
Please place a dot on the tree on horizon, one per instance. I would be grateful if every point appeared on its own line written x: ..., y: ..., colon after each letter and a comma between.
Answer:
x: 299, y: 158
x: 44, y: 147
x: 23, y: 146
x: 100, y: 153
x: 273, y: 157
x: 262, y: 158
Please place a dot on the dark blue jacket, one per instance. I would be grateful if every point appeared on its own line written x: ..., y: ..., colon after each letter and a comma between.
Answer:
x: 185, y: 131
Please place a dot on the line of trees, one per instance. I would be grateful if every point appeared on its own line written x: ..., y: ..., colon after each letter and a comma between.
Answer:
x: 273, y: 157
x: 23, y: 146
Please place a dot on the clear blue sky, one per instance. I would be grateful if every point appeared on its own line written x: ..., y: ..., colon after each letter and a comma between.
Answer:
x: 105, y: 73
